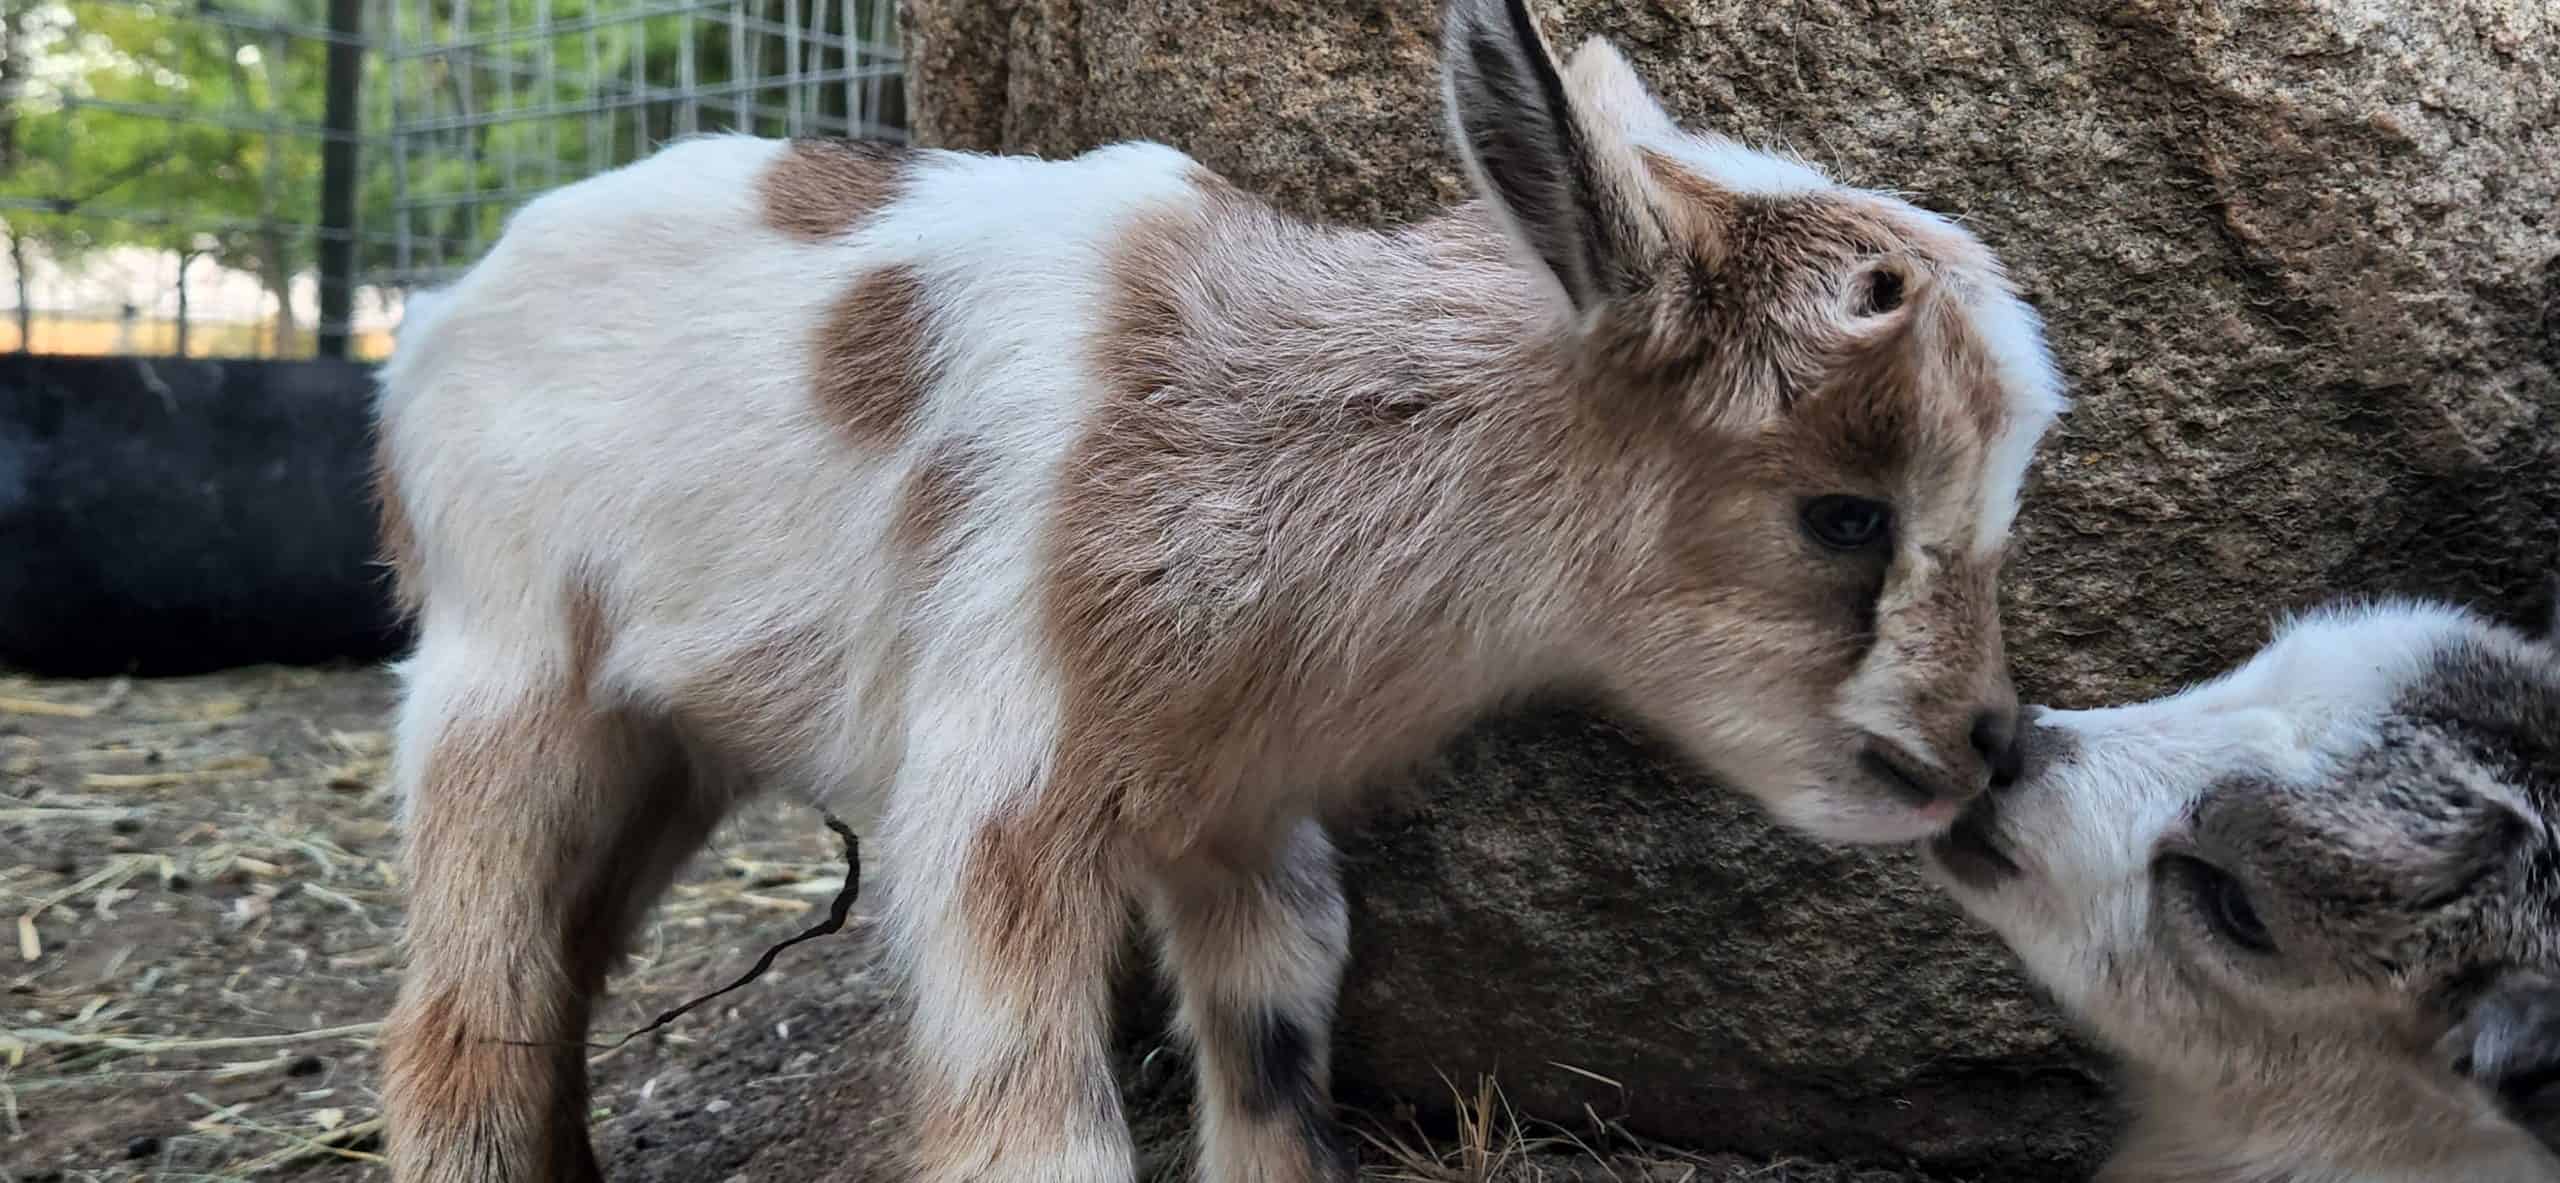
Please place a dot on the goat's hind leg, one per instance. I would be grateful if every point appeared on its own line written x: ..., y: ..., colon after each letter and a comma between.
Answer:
x: 1256, y: 955
x: 539, y: 830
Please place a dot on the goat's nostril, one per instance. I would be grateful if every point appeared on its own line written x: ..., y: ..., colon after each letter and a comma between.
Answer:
x: 1995, y: 736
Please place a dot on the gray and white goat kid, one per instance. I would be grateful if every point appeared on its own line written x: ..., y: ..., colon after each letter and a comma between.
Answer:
x: 2314, y: 904
x: 1089, y: 531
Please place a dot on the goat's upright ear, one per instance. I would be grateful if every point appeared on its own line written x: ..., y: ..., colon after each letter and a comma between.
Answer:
x: 2508, y: 1042
x: 1556, y: 158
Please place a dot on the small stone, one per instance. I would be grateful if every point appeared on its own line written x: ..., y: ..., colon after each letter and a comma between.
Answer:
x: 305, y: 1066
x: 146, y: 1146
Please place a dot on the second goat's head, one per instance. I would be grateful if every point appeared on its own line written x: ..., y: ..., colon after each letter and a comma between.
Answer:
x: 1823, y: 401
x: 2309, y: 902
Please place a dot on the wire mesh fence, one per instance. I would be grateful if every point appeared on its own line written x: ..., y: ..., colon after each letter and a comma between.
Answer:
x: 272, y: 177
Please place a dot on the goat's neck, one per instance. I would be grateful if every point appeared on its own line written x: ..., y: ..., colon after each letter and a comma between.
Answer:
x: 1380, y: 463
x: 2368, y: 1128
x: 1428, y: 456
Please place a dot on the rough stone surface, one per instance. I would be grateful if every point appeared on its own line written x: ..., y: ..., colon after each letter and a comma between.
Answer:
x: 2302, y: 264
x: 1558, y: 905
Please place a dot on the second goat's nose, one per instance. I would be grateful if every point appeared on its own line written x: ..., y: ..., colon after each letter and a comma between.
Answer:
x: 1995, y: 736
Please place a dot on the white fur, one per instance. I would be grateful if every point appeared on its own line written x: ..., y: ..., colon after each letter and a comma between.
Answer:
x: 553, y: 416
x: 2015, y: 335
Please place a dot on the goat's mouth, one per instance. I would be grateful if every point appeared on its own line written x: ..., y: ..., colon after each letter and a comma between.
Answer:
x: 1970, y: 850
x: 1911, y: 787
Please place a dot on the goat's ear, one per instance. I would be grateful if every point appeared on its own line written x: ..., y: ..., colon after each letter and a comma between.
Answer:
x: 2508, y: 1042
x: 1557, y: 160
x: 1606, y: 91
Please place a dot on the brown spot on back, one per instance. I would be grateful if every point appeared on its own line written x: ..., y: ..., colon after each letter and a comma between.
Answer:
x: 931, y: 503
x: 818, y: 189
x: 874, y: 358
x: 396, y: 537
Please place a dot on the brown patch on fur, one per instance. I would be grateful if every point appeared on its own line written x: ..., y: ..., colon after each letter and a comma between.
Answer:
x: 771, y: 701
x: 818, y: 189
x: 1020, y: 1112
x: 588, y: 632
x: 1698, y: 214
x: 1765, y: 255
x: 396, y: 537
x: 494, y: 957
x: 454, y: 1092
x: 1200, y: 595
x: 931, y: 502
x: 874, y: 357
x: 1037, y: 889
x: 538, y: 837
x: 1040, y: 897
x: 1218, y: 189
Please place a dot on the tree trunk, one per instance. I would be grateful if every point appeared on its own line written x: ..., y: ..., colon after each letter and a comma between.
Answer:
x: 279, y: 280
x: 26, y: 306
x: 186, y: 259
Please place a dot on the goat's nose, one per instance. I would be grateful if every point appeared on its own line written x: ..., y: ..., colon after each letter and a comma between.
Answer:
x: 1995, y: 735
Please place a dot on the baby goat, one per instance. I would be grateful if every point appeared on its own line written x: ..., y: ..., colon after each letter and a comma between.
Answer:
x: 1089, y: 531
x: 2311, y: 903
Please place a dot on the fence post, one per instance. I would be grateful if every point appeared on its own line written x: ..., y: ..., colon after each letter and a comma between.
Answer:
x: 338, y: 178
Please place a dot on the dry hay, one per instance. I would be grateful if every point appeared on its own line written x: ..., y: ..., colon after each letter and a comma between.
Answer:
x: 200, y: 875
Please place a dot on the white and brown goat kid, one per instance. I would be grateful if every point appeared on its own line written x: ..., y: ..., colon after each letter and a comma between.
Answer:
x: 1090, y: 530
x: 2313, y: 904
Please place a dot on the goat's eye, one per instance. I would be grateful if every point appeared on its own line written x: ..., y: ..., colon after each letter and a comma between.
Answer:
x: 1842, y: 522
x: 2224, y: 904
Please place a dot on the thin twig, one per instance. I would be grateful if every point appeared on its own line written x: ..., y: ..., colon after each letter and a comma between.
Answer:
x: 833, y: 924
x: 127, y: 1043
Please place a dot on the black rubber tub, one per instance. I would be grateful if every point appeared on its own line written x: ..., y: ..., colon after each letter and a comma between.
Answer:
x: 167, y: 516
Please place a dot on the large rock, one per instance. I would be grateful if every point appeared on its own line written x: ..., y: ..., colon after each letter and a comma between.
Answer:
x: 2302, y: 264
x: 1557, y: 906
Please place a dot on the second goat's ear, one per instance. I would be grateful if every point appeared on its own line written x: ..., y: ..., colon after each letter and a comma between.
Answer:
x: 2508, y: 1042
x: 1566, y: 180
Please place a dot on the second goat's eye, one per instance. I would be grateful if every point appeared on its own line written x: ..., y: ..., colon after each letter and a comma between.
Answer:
x: 2225, y: 906
x: 1842, y: 522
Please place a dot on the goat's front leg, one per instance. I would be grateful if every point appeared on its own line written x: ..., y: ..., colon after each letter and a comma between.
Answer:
x: 1008, y: 945
x: 1256, y: 953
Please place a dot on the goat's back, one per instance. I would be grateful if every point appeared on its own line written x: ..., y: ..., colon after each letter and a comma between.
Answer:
x: 670, y: 437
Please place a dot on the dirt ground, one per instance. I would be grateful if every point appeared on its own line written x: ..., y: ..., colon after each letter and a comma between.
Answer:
x: 200, y: 877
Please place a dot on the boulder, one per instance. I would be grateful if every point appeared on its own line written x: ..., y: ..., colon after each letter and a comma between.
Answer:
x: 172, y: 516
x: 2301, y: 263
x: 1557, y: 907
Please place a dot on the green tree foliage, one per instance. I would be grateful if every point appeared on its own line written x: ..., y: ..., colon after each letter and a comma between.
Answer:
x: 194, y: 126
